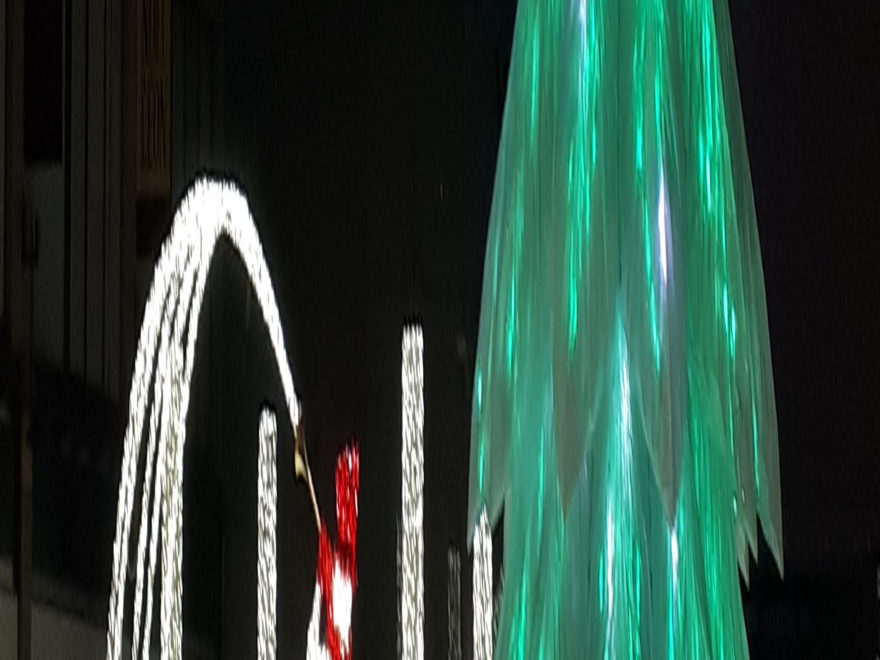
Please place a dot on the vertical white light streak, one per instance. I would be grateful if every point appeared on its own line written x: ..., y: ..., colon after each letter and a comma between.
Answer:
x: 171, y: 610
x: 453, y: 604
x: 673, y: 592
x: 483, y: 641
x: 167, y: 340
x: 342, y: 601
x: 314, y: 649
x: 343, y: 597
x: 399, y: 591
x: 267, y: 516
x: 158, y: 406
x: 663, y: 227
x: 412, y: 459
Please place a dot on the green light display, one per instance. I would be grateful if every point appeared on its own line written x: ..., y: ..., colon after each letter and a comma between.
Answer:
x: 624, y: 416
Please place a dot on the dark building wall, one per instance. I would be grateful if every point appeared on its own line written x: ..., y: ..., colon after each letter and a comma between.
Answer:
x: 6, y: 447
x: 74, y: 200
x: 198, y: 126
x: 79, y: 289
x: 2, y: 151
x: 95, y: 213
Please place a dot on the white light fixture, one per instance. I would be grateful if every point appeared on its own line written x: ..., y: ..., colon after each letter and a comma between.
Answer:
x: 315, y: 650
x: 483, y: 619
x: 342, y: 601
x: 411, y: 605
x: 663, y: 227
x: 162, y: 376
x: 267, y: 573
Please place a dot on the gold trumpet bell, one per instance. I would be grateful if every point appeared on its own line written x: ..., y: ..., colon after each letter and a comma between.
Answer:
x: 301, y: 468
x: 300, y: 460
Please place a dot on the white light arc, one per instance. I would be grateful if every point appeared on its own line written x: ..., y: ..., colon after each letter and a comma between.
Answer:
x: 162, y: 375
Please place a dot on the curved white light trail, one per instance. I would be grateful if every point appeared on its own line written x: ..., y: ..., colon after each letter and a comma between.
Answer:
x: 161, y: 382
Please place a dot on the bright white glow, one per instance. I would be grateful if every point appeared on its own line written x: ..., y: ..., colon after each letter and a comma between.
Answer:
x: 315, y: 650
x: 483, y: 618
x: 663, y: 226
x: 161, y: 379
x: 453, y: 604
x: 159, y: 393
x: 342, y: 597
x: 399, y: 592
x: 267, y: 520
x: 411, y: 596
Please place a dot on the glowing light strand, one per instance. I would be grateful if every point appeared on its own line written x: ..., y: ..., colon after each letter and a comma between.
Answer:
x: 399, y: 590
x: 211, y: 209
x: 411, y: 596
x: 146, y: 502
x: 315, y: 650
x: 267, y: 572
x: 483, y: 618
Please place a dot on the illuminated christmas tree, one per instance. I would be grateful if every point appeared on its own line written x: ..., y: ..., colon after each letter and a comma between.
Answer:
x: 623, y: 413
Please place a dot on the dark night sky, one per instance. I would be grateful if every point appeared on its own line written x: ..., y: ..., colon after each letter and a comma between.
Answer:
x: 809, y: 79
x: 366, y: 139
x: 810, y: 85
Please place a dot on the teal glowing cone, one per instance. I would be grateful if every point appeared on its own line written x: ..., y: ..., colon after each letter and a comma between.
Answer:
x: 623, y: 412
